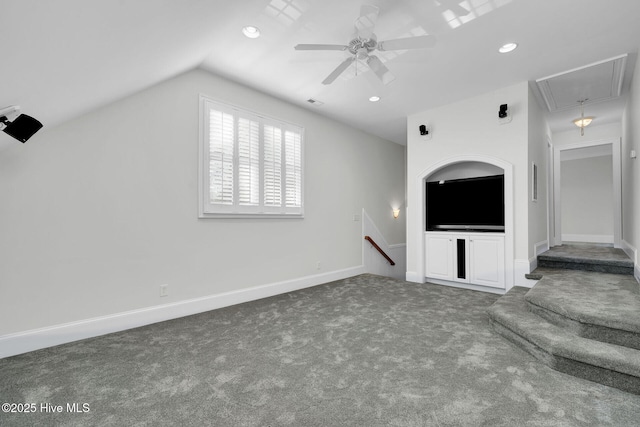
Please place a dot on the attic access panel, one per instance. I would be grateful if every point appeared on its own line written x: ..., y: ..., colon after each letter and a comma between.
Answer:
x: 600, y: 81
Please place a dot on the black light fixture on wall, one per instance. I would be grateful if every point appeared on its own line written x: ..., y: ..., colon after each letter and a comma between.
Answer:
x: 16, y: 125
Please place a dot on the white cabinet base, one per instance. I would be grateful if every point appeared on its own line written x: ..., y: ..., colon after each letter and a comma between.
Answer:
x: 466, y: 259
x: 466, y: 286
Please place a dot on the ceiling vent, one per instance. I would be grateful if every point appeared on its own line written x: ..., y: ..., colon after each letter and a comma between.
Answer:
x: 600, y: 81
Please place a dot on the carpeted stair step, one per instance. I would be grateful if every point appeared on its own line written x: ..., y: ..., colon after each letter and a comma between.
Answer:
x: 598, y: 306
x: 600, y: 266
x: 577, y: 257
x: 560, y: 349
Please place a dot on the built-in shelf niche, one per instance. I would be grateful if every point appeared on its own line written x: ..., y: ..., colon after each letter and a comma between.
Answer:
x: 465, y: 170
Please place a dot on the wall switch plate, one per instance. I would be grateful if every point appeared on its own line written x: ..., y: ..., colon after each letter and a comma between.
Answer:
x: 633, y: 154
x: 164, y: 290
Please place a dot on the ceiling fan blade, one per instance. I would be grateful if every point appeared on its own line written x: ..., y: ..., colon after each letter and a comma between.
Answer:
x: 419, y: 42
x: 367, y: 21
x: 380, y: 69
x: 339, y: 70
x: 320, y: 47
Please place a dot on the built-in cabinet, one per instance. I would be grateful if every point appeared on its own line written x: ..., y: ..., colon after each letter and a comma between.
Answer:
x: 471, y: 258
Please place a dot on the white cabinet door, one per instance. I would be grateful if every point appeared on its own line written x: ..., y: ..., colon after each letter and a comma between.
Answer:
x: 439, y: 256
x: 487, y: 260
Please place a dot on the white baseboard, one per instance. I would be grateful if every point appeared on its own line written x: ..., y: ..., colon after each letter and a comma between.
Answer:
x: 35, y: 339
x: 401, y: 246
x: 540, y: 247
x: 412, y: 276
x: 466, y: 286
x: 587, y: 238
x: 632, y: 252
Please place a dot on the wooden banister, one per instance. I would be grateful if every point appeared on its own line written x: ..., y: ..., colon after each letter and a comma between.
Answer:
x: 375, y: 245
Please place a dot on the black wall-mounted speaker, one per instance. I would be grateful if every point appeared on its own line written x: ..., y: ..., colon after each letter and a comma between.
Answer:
x: 503, y: 111
x: 22, y: 128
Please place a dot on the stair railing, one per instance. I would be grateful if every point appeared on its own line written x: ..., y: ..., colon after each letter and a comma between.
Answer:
x: 375, y: 245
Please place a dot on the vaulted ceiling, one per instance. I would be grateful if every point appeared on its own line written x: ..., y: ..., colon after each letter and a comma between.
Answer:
x: 63, y: 58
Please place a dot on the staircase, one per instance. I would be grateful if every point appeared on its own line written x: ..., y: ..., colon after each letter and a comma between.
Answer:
x: 602, y: 259
x: 581, y: 318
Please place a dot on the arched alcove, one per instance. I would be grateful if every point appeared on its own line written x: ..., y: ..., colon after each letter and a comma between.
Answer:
x: 468, y: 166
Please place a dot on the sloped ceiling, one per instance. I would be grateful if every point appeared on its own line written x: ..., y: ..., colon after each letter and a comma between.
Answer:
x: 63, y: 58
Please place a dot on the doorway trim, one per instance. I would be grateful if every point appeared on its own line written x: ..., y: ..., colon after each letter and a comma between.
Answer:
x: 617, y: 187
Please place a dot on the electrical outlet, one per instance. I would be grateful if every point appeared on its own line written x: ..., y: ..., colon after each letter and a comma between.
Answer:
x: 164, y: 290
x: 318, y: 265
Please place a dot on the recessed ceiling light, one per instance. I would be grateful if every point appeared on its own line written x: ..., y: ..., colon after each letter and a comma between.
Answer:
x: 251, y: 32
x: 374, y: 98
x: 507, y: 47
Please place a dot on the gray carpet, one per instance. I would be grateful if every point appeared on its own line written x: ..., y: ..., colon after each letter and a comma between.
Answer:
x: 365, y: 351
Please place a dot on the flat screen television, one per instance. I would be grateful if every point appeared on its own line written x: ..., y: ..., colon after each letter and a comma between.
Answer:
x: 472, y: 204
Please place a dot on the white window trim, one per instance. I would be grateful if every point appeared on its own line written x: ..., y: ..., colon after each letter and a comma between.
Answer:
x: 237, y: 211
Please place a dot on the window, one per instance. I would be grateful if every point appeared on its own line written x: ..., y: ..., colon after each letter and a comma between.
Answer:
x: 250, y: 164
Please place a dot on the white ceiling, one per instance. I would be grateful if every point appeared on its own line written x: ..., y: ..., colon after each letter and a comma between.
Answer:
x: 62, y: 58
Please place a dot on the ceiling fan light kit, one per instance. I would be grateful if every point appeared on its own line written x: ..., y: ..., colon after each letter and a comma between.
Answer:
x: 365, y: 42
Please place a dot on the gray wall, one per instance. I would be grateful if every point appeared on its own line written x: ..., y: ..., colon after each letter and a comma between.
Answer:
x: 99, y: 212
x: 587, y: 199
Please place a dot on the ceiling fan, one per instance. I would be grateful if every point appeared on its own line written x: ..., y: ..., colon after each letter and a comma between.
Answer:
x: 365, y: 42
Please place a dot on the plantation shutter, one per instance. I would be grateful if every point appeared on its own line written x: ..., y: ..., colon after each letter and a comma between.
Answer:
x: 221, y: 146
x: 293, y: 168
x: 250, y: 164
x: 272, y: 166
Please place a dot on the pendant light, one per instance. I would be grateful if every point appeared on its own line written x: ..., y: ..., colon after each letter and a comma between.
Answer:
x: 583, y: 121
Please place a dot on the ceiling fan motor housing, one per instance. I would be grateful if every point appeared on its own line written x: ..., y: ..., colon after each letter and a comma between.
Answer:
x: 362, y: 46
